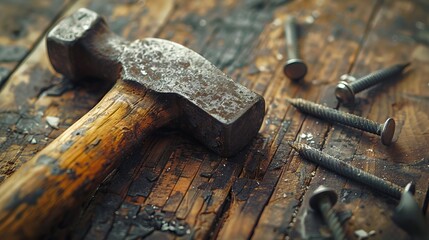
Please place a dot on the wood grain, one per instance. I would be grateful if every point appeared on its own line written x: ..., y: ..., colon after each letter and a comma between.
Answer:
x: 63, y: 174
x: 23, y: 26
x: 261, y: 193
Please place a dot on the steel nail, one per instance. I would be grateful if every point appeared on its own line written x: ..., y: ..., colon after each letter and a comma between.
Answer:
x: 344, y: 169
x: 345, y: 91
x: 294, y: 68
x: 322, y: 200
x: 407, y: 215
x: 385, y: 130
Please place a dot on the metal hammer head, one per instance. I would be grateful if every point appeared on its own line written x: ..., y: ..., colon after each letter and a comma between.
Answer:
x: 222, y: 114
x: 82, y: 45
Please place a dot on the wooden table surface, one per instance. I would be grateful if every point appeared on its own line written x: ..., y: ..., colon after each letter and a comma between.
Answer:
x: 173, y: 187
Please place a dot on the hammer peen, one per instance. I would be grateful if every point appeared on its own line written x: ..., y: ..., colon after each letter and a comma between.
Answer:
x: 158, y: 82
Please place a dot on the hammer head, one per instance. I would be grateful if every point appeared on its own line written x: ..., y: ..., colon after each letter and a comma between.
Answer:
x: 220, y: 113
x: 82, y: 46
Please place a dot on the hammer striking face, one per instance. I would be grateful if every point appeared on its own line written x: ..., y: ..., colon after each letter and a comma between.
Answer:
x: 158, y: 82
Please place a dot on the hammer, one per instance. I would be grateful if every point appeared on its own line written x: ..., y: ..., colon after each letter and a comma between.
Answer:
x: 158, y: 83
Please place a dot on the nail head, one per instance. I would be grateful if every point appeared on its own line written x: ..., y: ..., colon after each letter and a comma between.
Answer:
x: 344, y: 92
x: 388, y: 131
x: 410, y: 187
x: 295, y: 69
x: 320, y: 193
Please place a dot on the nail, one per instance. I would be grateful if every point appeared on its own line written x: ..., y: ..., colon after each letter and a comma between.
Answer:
x: 294, y: 68
x: 407, y: 215
x: 344, y: 169
x: 322, y: 200
x: 385, y: 130
x: 345, y: 91
x: 426, y: 202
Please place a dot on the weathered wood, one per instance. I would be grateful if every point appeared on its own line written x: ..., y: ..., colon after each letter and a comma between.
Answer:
x: 22, y: 25
x: 63, y: 174
x: 342, y: 142
x: 34, y: 91
x: 261, y: 193
x: 394, y: 27
x: 282, y: 204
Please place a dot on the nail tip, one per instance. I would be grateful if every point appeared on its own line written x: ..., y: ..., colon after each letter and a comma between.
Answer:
x: 404, y: 65
x: 292, y: 145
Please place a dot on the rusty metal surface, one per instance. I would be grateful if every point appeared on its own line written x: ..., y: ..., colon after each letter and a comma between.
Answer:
x: 222, y: 114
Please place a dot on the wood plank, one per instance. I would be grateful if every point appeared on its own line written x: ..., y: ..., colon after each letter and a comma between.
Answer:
x: 22, y: 26
x: 294, y: 176
x: 394, y: 28
x: 263, y: 191
x: 371, y: 210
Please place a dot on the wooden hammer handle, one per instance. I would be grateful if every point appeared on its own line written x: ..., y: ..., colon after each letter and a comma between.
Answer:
x: 63, y: 174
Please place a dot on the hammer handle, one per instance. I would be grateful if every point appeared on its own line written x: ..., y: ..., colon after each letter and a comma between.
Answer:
x: 64, y: 173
